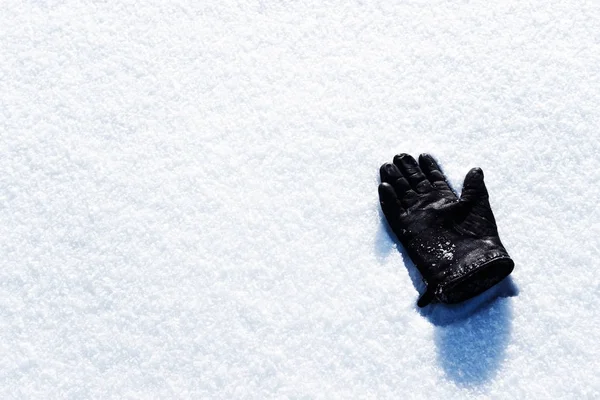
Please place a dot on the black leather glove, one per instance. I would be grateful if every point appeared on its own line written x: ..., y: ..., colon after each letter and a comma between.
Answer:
x: 453, y: 242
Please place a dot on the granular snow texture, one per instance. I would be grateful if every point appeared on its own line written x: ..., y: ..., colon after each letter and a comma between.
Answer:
x: 188, y: 197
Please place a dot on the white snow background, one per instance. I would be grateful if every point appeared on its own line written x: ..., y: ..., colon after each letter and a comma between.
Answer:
x: 188, y: 197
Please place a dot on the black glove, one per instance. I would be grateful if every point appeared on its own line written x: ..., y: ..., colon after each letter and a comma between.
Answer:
x: 453, y: 242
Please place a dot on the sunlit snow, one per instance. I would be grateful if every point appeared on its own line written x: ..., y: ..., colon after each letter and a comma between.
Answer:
x: 188, y: 198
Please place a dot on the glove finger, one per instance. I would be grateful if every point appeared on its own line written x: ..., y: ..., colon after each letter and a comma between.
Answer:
x: 401, y: 186
x: 473, y: 186
x: 389, y: 173
x: 412, y: 172
x: 434, y: 173
x: 390, y: 205
x: 404, y: 192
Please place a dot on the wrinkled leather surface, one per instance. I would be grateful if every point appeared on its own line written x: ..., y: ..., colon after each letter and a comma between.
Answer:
x: 450, y: 239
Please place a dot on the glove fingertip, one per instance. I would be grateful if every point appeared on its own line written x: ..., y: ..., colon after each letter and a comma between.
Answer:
x: 399, y: 157
x: 425, y: 157
x: 474, y: 177
x: 476, y: 172
x: 389, y: 172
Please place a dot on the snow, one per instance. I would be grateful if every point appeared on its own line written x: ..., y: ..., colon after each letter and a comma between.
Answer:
x: 188, y: 197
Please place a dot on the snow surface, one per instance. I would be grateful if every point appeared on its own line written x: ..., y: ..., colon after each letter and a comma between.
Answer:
x: 188, y: 197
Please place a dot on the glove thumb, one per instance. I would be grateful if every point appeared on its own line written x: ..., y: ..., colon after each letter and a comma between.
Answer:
x: 473, y: 186
x: 473, y: 192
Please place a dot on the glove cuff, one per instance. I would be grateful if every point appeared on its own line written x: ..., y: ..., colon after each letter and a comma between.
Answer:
x: 468, y: 281
x: 458, y: 267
